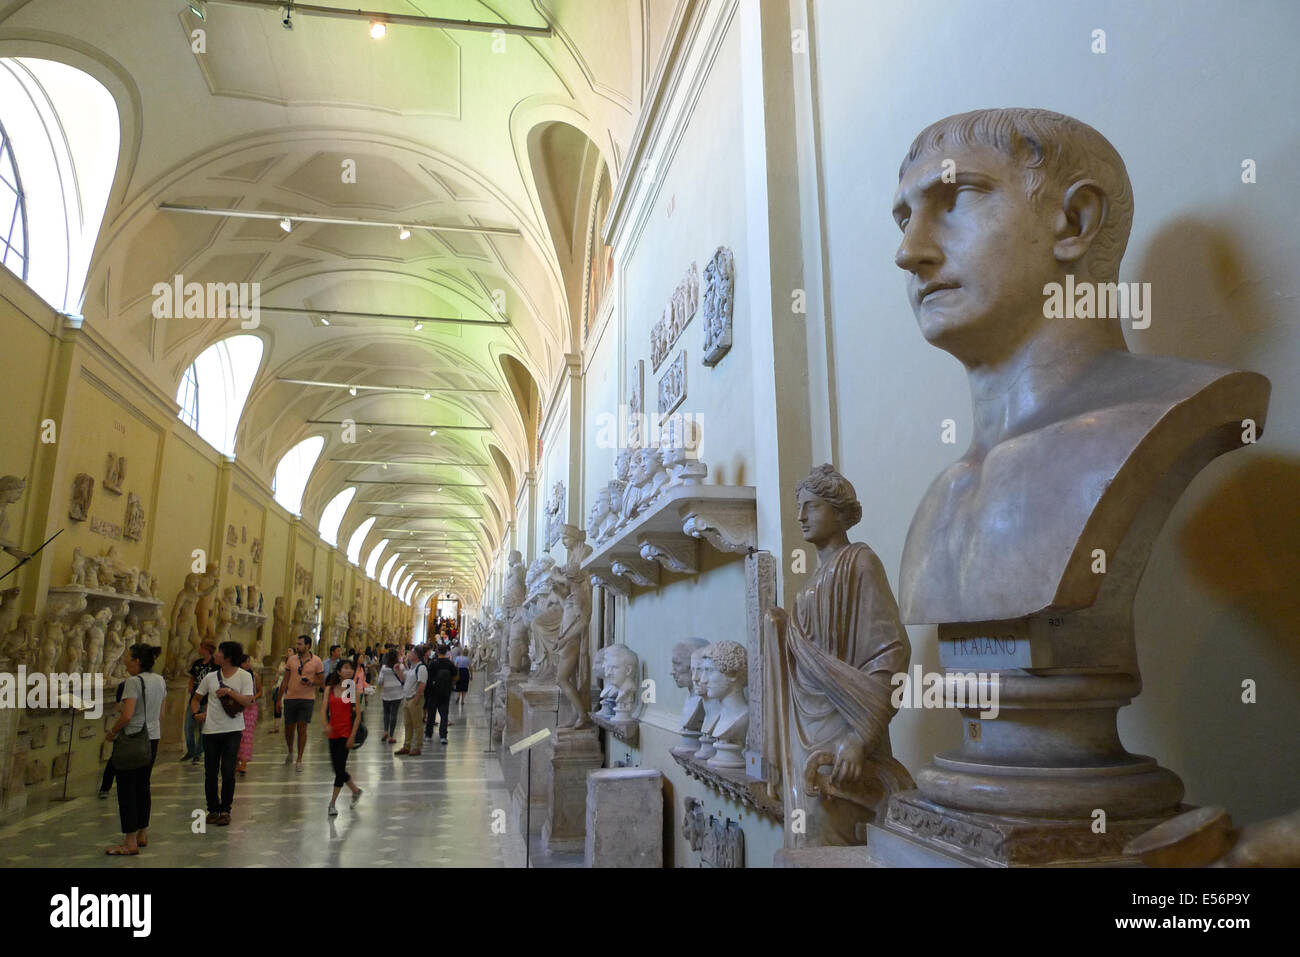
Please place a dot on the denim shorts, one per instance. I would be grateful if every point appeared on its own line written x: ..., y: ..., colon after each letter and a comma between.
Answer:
x: 298, y: 710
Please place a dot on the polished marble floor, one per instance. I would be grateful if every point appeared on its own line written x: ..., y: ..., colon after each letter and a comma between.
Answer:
x: 434, y: 810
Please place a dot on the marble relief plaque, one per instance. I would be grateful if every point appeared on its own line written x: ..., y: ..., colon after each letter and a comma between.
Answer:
x: 672, y: 385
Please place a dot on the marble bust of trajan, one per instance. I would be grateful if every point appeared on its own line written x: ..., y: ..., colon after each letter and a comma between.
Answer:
x: 1080, y: 449
x: 1078, y: 444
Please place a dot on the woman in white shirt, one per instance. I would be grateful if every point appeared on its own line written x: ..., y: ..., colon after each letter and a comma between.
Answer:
x: 142, y: 701
x: 390, y: 688
x: 222, y: 731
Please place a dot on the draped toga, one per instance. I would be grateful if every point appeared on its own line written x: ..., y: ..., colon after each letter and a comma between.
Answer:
x: 826, y: 674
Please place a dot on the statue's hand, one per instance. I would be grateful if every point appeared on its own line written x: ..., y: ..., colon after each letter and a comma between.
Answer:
x: 850, y: 761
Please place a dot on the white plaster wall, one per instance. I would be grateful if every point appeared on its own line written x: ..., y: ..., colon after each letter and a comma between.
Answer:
x: 1185, y: 93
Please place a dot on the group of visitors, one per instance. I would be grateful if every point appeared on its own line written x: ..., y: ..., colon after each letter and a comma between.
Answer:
x: 223, y: 691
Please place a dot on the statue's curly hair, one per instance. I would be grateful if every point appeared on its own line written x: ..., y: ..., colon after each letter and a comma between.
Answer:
x: 729, y: 657
x: 831, y: 487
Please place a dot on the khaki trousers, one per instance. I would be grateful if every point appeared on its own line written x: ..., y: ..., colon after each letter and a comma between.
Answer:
x: 413, y: 719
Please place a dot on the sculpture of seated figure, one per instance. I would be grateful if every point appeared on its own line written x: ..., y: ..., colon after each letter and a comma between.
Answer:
x: 693, y: 708
x: 621, y: 684
x: 711, y: 707
x: 827, y: 672
x: 726, y: 672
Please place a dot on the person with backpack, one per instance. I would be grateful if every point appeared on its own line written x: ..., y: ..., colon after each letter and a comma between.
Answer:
x: 442, y: 679
x: 414, y: 682
x: 341, y: 718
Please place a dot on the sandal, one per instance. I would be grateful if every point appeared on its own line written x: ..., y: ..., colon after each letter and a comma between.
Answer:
x: 121, y: 850
x: 142, y: 842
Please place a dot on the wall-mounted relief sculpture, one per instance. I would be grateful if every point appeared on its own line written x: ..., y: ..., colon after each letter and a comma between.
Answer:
x: 243, y: 534
x: 240, y: 571
x: 724, y: 844
x: 83, y: 490
x: 11, y: 490
x: 114, y: 473
x: 678, y: 314
x: 672, y: 385
x: 827, y: 667
x: 230, y: 564
x: 693, y: 707
x: 133, y: 527
x: 694, y: 823
x: 636, y: 406
x: 108, y: 529
x: 255, y: 551
x: 232, y: 536
x: 555, y: 515
x: 719, y: 300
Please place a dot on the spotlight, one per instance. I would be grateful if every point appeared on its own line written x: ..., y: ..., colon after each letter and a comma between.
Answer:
x: 352, y: 391
x: 433, y: 431
x: 199, y: 8
x: 418, y: 325
x: 426, y: 395
x: 379, y: 30
x: 385, y: 466
x: 404, y: 233
x: 324, y: 321
x: 285, y: 224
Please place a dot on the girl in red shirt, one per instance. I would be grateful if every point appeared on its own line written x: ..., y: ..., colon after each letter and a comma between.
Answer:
x: 341, y: 718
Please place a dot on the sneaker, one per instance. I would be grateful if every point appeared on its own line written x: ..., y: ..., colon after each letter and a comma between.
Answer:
x: 298, y: 766
x: 442, y: 740
x: 103, y: 795
x: 357, y: 796
x: 332, y: 811
x: 185, y: 757
x: 195, y: 761
x: 288, y: 758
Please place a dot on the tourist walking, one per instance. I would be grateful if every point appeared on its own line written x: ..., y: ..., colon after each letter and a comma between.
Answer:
x: 250, y: 719
x: 413, y: 685
x: 142, y: 701
x: 464, y: 674
x: 277, y: 705
x: 304, y: 672
x: 442, y: 678
x: 341, y: 718
x: 227, y: 691
x: 390, y: 694
x: 193, y: 734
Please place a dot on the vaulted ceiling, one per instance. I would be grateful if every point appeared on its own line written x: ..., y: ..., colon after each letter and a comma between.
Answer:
x: 508, y: 134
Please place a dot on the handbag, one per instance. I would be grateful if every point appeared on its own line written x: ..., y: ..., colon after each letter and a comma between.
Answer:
x: 359, y: 735
x: 231, y: 706
x: 132, y: 750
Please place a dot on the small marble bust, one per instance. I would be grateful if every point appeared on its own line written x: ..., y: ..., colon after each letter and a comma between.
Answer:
x: 680, y: 469
x: 693, y: 709
x: 726, y: 670
x: 711, y: 706
x: 621, y: 673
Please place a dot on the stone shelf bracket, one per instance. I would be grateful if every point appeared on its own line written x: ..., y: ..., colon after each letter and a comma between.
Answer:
x: 629, y: 732
x: 611, y: 581
x: 735, y: 785
x: 667, y: 535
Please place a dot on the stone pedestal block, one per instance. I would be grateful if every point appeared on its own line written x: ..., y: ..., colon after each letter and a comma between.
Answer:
x: 625, y: 818
x: 173, y: 717
x: 13, y: 765
x: 572, y: 754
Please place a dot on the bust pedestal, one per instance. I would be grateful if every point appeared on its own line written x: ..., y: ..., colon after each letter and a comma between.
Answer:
x: 570, y: 754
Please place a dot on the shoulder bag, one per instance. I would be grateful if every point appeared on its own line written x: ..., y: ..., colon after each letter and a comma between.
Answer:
x: 231, y: 706
x: 132, y: 751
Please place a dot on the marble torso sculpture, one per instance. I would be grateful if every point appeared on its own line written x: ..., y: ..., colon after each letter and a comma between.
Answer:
x: 827, y: 672
x: 516, y: 624
x: 726, y: 672
x: 571, y: 669
x: 207, y: 588
x: 280, y: 637
x: 184, y: 621
x: 11, y: 490
x: 51, y: 646
x: 1080, y: 449
x: 544, y: 610
x: 74, y: 653
x: 114, y: 649
x: 95, y: 637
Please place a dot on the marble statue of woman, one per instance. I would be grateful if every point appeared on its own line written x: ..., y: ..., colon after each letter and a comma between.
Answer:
x: 570, y: 648
x: 826, y: 674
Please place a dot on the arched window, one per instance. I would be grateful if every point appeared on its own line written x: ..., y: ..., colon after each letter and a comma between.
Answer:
x: 188, y: 398
x: 332, y: 517
x: 373, y: 561
x: 410, y: 591
x: 358, y: 539
x: 293, y: 471
x: 222, y: 376
x: 61, y: 128
x: 388, y: 567
x: 13, y: 211
x: 399, y: 576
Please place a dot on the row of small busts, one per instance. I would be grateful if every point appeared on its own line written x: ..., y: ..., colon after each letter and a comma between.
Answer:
x: 641, y: 476
x: 715, y: 717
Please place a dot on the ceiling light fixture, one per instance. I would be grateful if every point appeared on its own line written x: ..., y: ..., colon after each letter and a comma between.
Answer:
x: 426, y: 395
x: 352, y: 391
x: 324, y: 321
x: 418, y: 325
x: 379, y: 30
x: 403, y: 232
x: 285, y: 224
x: 433, y: 431
x: 199, y: 8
